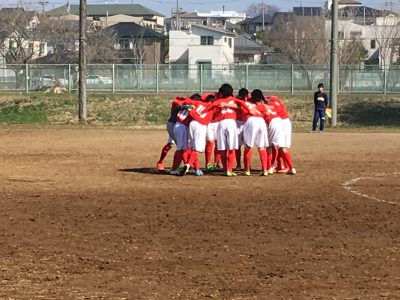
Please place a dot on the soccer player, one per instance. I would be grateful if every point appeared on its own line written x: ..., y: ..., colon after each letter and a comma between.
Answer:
x: 181, y: 132
x: 211, y: 139
x: 197, y: 135
x: 280, y: 129
x: 255, y: 132
x: 176, y: 106
x: 227, y: 135
x: 243, y: 94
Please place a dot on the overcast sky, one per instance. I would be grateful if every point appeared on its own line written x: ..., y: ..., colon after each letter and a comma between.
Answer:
x: 165, y: 6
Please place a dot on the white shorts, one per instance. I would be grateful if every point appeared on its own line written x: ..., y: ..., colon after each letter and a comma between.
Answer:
x: 227, y: 135
x: 170, y: 130
x: 276, y: 132
x: 255, y: 133
x: 287, y: 133
x: 197, y: 136
x: 240, y: 125
x: 212, y: 131
x: 181, y: 136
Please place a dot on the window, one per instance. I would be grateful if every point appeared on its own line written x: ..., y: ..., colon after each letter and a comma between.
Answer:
x: 230, y: 43
x: 124, y: 44
x: 207, y: 40
x: 373, y: 44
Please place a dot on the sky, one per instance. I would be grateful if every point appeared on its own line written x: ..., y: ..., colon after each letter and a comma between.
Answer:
x: 165, y: 6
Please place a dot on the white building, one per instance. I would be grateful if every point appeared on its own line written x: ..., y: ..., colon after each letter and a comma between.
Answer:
x: 208, y: 48
x: 223, y: 16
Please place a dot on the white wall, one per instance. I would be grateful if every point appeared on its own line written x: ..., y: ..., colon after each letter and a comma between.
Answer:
x: 186, y: 47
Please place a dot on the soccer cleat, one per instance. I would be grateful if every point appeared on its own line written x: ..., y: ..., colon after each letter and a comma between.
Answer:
x: 292, y: 171
x: 271, y: 171
x: 160, y: 166
x: 282, y: 171
x: 264, y: 173
x: 209, y: 167
x: 246, y: 173
x: 192, y: 171
x: 321, y: 131
x: 217, y: 168
x: 230, y: 174
x: 199, y: 173
x: 185, y: 170
x: 174, y: 172
x: 312, y: 131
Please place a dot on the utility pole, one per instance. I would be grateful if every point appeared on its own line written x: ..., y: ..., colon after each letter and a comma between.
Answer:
x: 263, y: 15
x: 334, y: 61
x: 177, y: 14
x: 82, y: 109
x: 43, y: 4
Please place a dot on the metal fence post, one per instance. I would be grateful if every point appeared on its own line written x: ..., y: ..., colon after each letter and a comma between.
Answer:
x: 69, y: 78
x: 247, y: 77
x: 157, y: 75
x: 292, y: 79
x: 113, y: 78
x: 201, y: 78
x: 26, y: 78
x: 384, y: 80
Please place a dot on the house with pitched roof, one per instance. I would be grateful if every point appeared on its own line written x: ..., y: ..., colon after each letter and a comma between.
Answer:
x: 109, y: 14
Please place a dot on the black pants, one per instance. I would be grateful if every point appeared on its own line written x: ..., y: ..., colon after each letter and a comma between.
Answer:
x: 319, y: 114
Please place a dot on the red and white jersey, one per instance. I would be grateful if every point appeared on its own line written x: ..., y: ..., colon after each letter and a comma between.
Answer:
x: 279, y: 107
x: 223, y: 113
x: 250, y: 109
x: 184, y: 116
x: 200, y: 114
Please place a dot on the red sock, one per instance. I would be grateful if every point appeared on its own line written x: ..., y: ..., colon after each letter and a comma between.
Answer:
x: 208, y: 152
x: 238, y: 154
x: 269, y: 158
x: 224, y: 158
x: 164, y: 152
x: 194, y: 156
x: 287, y: 159
x: 177, y: 159
x: 217, y: 155
x: 274, y: 155
x: 282, y: 163
x: 231, y: 160
x: 247, y: 158
x: 186, y: 155
x: 264, y: 159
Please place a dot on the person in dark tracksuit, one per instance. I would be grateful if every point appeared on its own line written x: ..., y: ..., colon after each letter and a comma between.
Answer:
x: 321, y: 103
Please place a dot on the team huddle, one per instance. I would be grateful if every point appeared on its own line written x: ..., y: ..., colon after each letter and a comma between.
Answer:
x: 222, y: 123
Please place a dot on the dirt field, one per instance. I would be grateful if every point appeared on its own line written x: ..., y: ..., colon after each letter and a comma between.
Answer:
x: 84, y: 216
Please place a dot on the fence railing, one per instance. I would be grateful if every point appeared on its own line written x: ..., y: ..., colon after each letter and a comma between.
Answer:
x: 119, y: 78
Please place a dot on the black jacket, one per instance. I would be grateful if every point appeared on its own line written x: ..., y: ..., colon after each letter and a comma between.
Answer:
x: 320, y: 100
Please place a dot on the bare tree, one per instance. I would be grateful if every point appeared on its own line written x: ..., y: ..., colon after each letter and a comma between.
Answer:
x: 301, y: 40
x: 19, y: 39
x: 63, y: 35
x: 256, y: 9
x: 386, y: 33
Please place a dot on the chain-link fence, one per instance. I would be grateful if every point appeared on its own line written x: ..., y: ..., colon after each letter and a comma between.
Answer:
x: 116, y: 78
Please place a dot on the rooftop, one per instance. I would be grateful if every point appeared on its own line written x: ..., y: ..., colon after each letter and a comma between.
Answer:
x: 133, y: 30
x: 111, y: 9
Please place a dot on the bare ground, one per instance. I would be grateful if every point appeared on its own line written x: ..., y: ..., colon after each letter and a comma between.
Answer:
x: 85, y: 216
